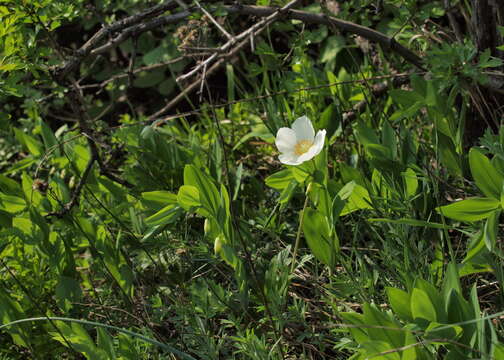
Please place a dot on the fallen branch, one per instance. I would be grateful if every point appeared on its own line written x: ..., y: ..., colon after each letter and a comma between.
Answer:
x: 130, y: 27
x: 256, y: 28
x: 68, y: 66
x: 307, y: 17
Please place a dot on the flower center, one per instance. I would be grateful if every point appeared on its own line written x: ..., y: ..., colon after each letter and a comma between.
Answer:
x: 302, y: 146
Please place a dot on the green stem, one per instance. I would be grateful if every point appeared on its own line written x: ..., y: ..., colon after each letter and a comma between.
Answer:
x: 298, y: 236
x: 92, y: 323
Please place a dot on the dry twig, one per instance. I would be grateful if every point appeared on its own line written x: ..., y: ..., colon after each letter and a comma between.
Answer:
x: 261, y: 25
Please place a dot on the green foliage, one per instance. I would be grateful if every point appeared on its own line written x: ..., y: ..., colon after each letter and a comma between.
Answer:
x: 125, y: 234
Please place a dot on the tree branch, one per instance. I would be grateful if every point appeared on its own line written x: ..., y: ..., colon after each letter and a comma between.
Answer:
x: 133, y: 26
x: 68, y: 66
x: 307, y: 17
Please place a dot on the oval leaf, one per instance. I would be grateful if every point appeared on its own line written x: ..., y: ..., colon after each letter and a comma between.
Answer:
x: 487, y: 178
x: 474, y: 209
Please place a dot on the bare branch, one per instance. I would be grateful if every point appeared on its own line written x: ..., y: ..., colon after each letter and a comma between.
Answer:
x: 365, y: 32
x: 133, y: 26
x: 226, y: 34
x: 138, y: 29
x: 63, y: 70
x: 275, y: 14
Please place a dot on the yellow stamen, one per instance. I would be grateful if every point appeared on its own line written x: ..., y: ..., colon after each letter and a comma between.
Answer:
x: 302, y: 146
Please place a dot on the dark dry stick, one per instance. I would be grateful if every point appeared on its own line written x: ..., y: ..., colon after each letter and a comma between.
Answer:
x: 132, y: 26
x: 307, y: 17
x: 62, y: 71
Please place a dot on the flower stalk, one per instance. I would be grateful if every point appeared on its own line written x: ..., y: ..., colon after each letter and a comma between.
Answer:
x: 300, y: 228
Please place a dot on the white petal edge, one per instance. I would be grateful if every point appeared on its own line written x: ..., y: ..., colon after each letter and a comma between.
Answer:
x: 285, y: 140
x: 316, y: 147
x: 303, y: 128
x: 307, y: 155
x: 318, y: 143
x: 289, y: 159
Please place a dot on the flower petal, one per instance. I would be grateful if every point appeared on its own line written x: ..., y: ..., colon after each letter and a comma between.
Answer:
x: 289, y: 159
x: 316, y: 147
x: 318, y: 143
x: 307, y: 155
x: 285, y: 140
x: 303, y: 128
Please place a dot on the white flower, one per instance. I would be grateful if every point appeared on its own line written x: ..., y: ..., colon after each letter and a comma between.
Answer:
x: 299, y: 144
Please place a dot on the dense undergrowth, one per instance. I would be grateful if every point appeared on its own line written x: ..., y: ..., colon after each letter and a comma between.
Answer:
x: 130, y: 236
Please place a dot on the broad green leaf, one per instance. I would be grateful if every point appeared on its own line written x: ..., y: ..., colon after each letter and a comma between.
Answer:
x: 459, y: 311
x: 9, y: 186
x: 20, y: 165
x: 380, y: 185
x: 406, y: 98
x: 365, y: 135
x: 379, y: 152
x: 238, y: 179
x: 498, y: 348
x: 228, y: 254
x: 330, y: 120
x: 357, y: 198
x: 32, y: 196
x: 400, y: 303
x: 303, y: 171
x: 411, y: 182
x: 321, y: 197
x: 473, y: 209
x: 451, y: 281
x: 380, y: 350
x: 280, y: 180
x: 81, y: 156
x: 68, y: 291
x: 359, y: 333
x: 11, y: 204
x: 333, y: 45
x: 349, y: 174
x: 435, y: 297
x: 384, y: 326
x: 33, y: 146
x: 421, y: 306
x: 287, y: 193
x: 159, y: 199
x: 412, y: 353
x: 389, y: 139
x: 208, y: 194
x: 188, y: 197
x: 78, y: 338
x: 444, y: 332
x: 491, y: 229
x: 448, y: 154
x: 166, y: 215
x: 321, y: 241
x: 347, y: 190
x: 48, y: 137
x: 105, y: 343
x: 224, y: 198
x: 487, y: 178
x: 11, y: 310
